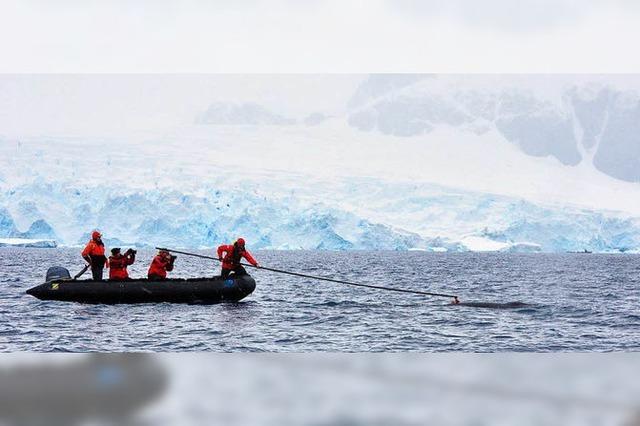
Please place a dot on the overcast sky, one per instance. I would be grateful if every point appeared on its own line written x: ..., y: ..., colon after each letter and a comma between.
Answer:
x: 90, y: 104
x: 319, y: 36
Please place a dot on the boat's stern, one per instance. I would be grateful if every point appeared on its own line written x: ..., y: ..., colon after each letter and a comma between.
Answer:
x: 54, y: 274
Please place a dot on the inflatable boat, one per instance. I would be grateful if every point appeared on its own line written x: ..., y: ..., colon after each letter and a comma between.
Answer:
x: 60, y: 286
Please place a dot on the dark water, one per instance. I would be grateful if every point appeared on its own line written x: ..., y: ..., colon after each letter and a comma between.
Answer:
x: 516, y: 302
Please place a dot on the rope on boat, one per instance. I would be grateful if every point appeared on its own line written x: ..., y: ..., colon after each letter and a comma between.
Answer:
x: 298, y: 274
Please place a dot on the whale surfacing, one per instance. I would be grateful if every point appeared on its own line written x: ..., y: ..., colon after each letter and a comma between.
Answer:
x: 493, y: 305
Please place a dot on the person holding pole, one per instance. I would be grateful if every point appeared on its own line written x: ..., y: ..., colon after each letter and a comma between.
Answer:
x: 231, y: 255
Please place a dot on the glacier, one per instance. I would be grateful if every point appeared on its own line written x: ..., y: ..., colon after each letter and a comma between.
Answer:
x: 348, y: 214
x: 172, y: 218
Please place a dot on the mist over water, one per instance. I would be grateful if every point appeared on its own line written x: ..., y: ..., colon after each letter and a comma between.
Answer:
x: 544, y: 303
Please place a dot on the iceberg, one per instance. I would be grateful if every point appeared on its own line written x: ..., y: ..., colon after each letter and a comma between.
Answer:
x: 25, y: 242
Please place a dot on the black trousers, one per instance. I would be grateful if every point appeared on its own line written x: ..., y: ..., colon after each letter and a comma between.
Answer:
x: 239, y: 270
x: 97, y: 271
x: 97, y: 266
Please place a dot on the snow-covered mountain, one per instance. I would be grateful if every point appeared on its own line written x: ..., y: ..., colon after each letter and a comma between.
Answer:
x: 594, y: 122
x: 252, y: 114
x: 224, y: 113
x: 518, y: 163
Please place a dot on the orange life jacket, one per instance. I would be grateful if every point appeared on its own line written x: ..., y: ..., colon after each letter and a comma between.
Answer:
x: 93, y: 249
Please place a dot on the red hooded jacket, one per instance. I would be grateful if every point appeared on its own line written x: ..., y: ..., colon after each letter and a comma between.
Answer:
x: 227, y: 260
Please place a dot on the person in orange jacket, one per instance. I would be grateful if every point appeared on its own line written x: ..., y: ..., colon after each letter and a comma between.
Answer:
x: 93, y: 253
x: 160, y: 264
x: 233, y: 254
x: 118, y: 264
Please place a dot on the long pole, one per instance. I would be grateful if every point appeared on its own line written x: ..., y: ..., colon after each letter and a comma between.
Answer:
x: 298, y: 274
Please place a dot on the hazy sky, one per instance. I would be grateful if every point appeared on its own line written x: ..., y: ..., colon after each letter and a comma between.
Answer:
x: 319, y: 36
x: 95, y: 104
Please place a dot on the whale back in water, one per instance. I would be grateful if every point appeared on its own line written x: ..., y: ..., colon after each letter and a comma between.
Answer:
x: 493, y: 305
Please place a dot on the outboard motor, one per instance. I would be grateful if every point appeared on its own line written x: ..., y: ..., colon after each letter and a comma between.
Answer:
x: 56, y: 273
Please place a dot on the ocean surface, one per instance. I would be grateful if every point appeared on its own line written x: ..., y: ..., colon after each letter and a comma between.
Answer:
x: 570, y: 302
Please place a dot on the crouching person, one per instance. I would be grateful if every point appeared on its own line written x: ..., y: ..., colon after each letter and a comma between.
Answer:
x: 160, y: 265
x: 118, y: 264
x: 231, y: 255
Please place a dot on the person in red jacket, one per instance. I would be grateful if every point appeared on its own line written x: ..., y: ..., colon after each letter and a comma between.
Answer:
x: 118, y: 264
x: 93, y: 253
x: 233, y: 254
x: 160, y: 264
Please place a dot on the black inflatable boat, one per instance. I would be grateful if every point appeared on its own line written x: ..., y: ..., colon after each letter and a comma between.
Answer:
x: 60, y: 286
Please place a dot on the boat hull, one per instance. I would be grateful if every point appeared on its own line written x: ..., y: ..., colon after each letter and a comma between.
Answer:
x: 191, y: 291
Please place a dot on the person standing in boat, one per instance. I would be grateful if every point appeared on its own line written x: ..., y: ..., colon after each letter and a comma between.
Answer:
x: 118, y: 264
x: 231, y: 255
x: 160, y: 264
x: 93, y: 253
